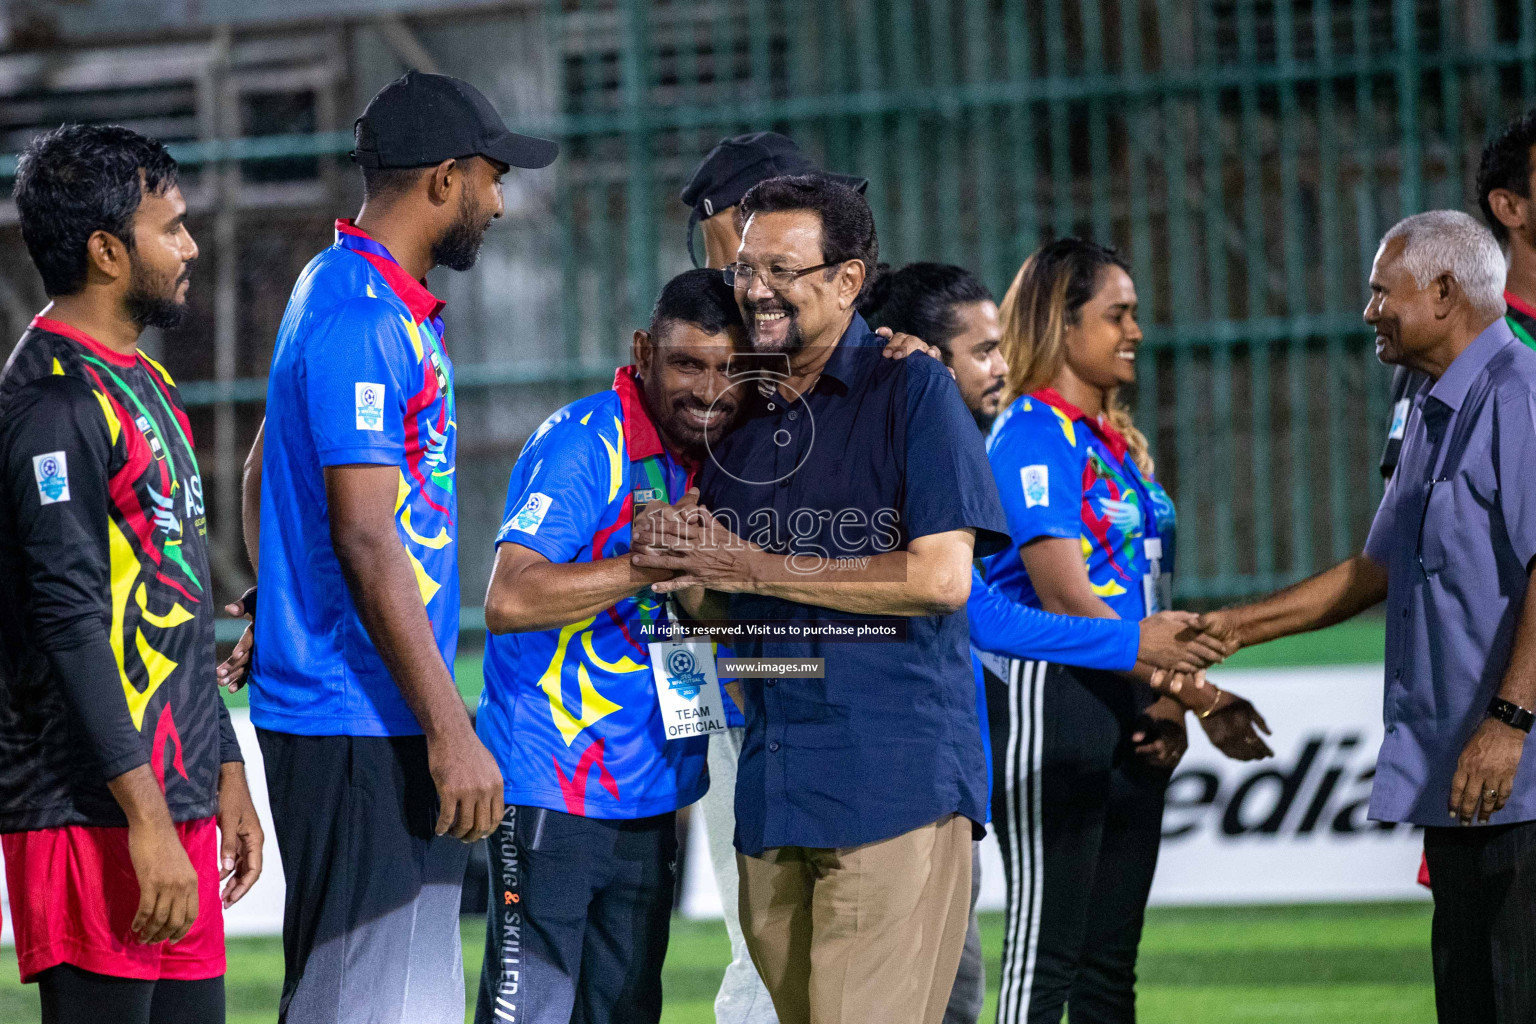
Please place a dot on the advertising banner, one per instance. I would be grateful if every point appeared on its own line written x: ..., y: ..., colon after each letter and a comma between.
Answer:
x: 1289, y: 829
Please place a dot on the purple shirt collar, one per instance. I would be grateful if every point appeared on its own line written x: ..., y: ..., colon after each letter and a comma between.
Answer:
x: 1451, y: 389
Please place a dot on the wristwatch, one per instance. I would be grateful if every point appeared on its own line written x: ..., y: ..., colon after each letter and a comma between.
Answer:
x: 1511, y: 713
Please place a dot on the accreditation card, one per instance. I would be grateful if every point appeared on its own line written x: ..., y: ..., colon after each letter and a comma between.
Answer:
x: 687, y: 686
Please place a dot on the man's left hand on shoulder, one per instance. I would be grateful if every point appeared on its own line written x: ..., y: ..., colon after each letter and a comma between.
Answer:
x: 1485, y: 772
x: 899, y: 346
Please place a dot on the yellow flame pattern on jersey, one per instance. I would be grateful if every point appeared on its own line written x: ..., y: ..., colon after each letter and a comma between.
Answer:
x: 148, y: 359
x: 158, y: 667
x: 594, y: 706
x: 615, y: 458
x: 1067, y: 426
x: 415, y: 334
x: 424, y: 582
x: 170, y: 620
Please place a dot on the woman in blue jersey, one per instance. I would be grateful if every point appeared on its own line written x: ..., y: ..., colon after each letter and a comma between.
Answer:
x: 951, y: 309
x: 1078, y: 809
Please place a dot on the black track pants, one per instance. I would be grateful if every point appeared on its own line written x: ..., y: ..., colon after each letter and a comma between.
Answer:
x: 1079, y: 820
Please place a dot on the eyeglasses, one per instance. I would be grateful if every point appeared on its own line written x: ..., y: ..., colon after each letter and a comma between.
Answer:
x: 739, y: 275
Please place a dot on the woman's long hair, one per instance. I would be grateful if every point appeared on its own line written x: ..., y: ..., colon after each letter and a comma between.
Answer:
x: 1047, y: 297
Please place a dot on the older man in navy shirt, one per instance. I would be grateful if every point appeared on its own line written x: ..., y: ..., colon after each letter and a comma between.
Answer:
x: 855, y: 488
x: 1451, y: 552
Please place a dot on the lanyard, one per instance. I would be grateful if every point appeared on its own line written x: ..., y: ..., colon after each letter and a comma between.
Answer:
x: 1157, y: 584
x: 652, y: 472
x: 1149, y: 527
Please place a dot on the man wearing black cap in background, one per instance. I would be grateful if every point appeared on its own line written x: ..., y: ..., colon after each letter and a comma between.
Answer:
x: 376, y: 778
x: 726, y: 174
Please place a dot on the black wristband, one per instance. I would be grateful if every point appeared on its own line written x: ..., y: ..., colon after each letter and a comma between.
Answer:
x: 248, y: 603
x: 1511, y: 713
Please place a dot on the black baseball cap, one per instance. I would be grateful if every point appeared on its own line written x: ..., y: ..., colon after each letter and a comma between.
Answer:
x: 729, y: 171
x: 419, y: 120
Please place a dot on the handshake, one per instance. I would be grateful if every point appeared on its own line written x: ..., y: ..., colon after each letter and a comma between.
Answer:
x: 1180, y: 645
x: 1176, y: 649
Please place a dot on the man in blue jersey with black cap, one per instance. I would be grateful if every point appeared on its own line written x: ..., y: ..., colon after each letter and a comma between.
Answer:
x: 376, y: 778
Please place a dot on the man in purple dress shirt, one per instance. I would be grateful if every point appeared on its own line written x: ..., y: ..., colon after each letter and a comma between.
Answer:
x: 1451, y: 552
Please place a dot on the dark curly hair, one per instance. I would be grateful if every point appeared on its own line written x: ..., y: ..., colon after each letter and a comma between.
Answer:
x: 698, y: 297
x: 847, y: 226
x: 79, y: 179
x: 920, y: 299
x: 1506, y: 163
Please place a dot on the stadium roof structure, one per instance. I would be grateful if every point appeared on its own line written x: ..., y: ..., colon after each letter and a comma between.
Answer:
x: 30, y: 23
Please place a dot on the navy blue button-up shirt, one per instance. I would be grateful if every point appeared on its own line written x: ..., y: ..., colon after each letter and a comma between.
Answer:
x: 879, y: 452
x: 1456, y: 531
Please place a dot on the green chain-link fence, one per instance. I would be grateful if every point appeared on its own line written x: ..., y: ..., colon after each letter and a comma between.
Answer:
x: 1246, y: 156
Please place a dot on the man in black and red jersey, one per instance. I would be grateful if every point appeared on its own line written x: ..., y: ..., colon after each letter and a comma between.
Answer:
x: 118, y: 765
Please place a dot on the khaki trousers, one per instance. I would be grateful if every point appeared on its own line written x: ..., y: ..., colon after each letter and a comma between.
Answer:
x: 866, y: 934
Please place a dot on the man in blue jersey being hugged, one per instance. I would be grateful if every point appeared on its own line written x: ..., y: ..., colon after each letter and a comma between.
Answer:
x: 582, y: 867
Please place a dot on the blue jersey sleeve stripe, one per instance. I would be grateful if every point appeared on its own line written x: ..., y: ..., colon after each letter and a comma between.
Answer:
x: 1001, y: 626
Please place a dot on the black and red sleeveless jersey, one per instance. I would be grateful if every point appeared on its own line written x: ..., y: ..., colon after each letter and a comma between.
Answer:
x: 106, y: 614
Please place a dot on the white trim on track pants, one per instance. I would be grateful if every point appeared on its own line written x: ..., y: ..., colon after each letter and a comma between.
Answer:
x: 1079, y: 821
x: 577, y: 926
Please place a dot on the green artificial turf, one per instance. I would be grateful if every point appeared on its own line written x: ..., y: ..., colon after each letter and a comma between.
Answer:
x: 1359, y: 641
x: 1330, y: 964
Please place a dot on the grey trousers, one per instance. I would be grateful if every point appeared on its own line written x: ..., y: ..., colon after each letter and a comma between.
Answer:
x: 371, y: 912
x: 742, y: 999
x: 970, y: 990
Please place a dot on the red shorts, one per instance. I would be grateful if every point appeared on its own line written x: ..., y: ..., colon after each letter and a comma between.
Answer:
x: 74, y: 896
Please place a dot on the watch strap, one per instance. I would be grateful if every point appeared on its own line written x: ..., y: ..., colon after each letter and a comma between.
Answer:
x: 1511, y: 713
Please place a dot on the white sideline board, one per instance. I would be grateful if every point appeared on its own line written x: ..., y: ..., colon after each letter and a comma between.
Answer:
x: 1290, y: 829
